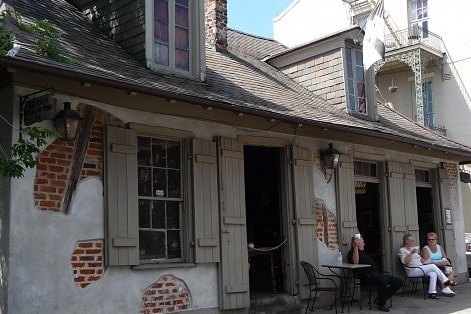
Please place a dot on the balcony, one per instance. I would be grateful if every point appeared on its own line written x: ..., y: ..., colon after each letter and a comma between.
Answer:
x: 412, y: 38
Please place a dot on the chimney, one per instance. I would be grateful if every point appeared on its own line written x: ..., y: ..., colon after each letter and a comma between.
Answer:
x: 216, y: 23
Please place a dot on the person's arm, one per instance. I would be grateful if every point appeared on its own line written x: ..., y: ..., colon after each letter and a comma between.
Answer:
x: 354, y: 255
x: 406, y: 257
x: 444, y: 256
x: 425, y: 255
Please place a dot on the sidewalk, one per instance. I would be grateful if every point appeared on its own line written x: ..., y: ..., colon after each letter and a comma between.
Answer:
x: 459, y: 304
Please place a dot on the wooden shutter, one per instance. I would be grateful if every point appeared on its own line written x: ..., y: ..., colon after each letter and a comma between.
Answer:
x: 122, y: 234
x: 402, y: 203
x: 206, y: 201
x: 443, y: 201
x: 304, y: 208
x: 347, y: 215
x: 234, y: 268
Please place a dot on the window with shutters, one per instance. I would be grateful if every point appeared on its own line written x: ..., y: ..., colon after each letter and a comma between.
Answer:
x: 174, y: 37
x: 160, y: 197
x: 161, y: 205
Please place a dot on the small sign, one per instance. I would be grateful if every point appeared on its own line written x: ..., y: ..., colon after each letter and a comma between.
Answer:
x: 39, y: 108
x: 448, y: 216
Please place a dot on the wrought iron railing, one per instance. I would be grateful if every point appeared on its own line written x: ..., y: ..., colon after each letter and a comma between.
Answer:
x: 438, y: 128
x: 413, y: 36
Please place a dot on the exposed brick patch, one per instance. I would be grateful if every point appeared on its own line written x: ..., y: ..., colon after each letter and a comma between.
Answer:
x: 167, y: 294
x: 326, y: 226
x: 54, y: 164
x: 87, y: 262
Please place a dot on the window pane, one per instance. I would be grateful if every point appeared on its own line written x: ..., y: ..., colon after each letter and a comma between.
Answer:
x: 348, y: 55
x: 143, y: 153
x: 173, y: 215
x: 144, y: 184
x: 161, y: 54
x: 161, y: 32
x: 174, y: 183
x: 144, y: 214
x: 181, y: 38
x: 173, y: 152
x: 161, y: 10
x: 152, y: 244
x: 158, y: 214
x: 181, y: 16
x: 159, y: 153
x: 182, y: 2
x: 173, y: 245
x: 160, y: 182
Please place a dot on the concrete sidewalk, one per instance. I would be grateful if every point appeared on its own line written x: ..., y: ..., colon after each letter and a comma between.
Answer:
x: 460, y: 303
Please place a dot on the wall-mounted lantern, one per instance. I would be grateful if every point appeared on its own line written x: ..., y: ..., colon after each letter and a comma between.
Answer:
x: 329, y: 161
x: 67, y: 122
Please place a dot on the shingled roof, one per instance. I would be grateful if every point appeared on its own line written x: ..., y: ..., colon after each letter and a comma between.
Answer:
x: 238, y: 79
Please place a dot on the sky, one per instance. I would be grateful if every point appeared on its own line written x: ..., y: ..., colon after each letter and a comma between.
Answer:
x: 254, y: 16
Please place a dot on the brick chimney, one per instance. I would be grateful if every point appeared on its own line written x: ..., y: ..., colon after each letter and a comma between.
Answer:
x: 216, y: 23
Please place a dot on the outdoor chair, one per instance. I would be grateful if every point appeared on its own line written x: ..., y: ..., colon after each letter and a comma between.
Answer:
x: 414, y: 281
x: 315, y: 279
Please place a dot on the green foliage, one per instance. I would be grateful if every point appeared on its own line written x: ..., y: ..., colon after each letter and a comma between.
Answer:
x: 47, y: 33
x: 24, y: 152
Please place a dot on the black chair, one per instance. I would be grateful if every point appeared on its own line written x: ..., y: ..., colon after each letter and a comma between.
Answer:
x: 414, y: 281
x: 315, y: 279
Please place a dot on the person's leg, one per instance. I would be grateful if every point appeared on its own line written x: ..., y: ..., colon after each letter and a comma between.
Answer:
x: 432, y: 285
x: 395, y: 283
x: 381, y: 283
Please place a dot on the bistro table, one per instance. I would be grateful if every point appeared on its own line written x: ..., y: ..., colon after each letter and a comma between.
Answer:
x: 345, y: 274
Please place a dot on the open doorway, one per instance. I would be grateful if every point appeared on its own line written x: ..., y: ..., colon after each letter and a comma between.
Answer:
x: 368, y: 218
x: 263, y: 209
x: 425, y: 213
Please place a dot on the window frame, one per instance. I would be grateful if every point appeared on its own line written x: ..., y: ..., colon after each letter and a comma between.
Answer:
x: 183, y: 210
x: 415, y: 20
x: 196, y: 40
x: 353, y: 107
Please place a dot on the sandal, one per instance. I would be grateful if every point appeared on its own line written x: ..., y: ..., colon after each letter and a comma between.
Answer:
x: 453, y: 283
x: 433, y: 296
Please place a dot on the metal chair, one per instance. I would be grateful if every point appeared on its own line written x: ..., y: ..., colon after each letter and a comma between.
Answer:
x: 315, y: 279
x: 414, y: 281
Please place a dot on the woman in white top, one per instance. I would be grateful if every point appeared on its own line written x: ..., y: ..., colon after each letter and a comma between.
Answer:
x: 409, y: 255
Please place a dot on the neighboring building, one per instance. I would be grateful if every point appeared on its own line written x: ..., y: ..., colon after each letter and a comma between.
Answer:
x: 426, y: 74
x: 197, y: 140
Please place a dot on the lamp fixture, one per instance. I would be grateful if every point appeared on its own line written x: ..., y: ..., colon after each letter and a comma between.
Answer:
x: 393, y: 87
x: 67, y: 122
x: 329, y: 161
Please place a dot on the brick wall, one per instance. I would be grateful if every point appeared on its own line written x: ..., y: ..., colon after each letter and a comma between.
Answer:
x: 326, y: 225
x: 54, y: 166
x: 87, y: 262
x: 168, y: 294
x: 323, y: 75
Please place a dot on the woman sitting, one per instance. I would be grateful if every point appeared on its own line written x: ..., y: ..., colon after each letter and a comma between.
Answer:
x: 433, y: 253
x: 408, y: 253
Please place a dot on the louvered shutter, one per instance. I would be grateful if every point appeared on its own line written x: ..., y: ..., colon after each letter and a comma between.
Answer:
x: 121, y: 234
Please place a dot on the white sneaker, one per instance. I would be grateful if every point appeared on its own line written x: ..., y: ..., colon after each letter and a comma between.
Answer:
x: 447, y: 292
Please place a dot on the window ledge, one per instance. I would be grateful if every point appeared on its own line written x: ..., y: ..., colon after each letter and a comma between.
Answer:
x: 163, y: 265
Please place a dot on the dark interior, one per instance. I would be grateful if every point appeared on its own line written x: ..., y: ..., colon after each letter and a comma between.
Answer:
x: 424, y: 213
x: 368, y: 219
x: 262, y: 197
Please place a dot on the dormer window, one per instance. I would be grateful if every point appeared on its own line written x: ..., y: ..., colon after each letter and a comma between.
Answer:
x: 355, y: 80
x: 174, y: 37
